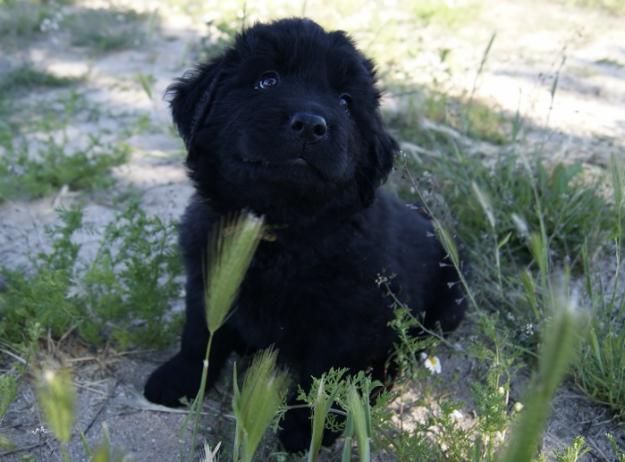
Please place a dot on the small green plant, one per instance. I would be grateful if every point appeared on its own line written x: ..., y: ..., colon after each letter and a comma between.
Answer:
x: 601, y: 372
x: 611, y: 6
x: 146, y: 81
x: 572, y: 454
x: 105, y: 452
x: 8, y: 391
x: 22, y: 174
x: 129, y: 285
x: 122, y: 295
x: 106, y: 30
x: 22, y: 20
x: 28, y: 77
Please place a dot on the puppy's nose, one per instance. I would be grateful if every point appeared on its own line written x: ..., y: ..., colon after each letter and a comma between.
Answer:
x: 310, y: 127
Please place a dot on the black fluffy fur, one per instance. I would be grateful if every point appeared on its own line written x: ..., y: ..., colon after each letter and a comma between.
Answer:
x: 312, y: 292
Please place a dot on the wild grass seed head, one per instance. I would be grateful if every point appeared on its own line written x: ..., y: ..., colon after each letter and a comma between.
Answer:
x: 233, y: 245
x: 57, y: 398
x: 258, y: 401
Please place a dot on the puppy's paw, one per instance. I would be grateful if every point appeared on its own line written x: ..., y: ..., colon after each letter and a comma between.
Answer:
x: 177, y: 378
x: 295, y: 436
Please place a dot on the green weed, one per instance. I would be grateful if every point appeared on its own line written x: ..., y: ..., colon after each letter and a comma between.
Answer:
x: 524, y: 197
x: 444, y: 13
x: 28, y: 77
x: 574, y: 452
x: 610, y: 62
x: 106, y: 30
x: 31, y: 176
x: 474, y: 119
x: 8, y: 392
x: 601, y: 371
x: 21, y: 20
x: 611, y: 6
x: 129, y: 285
x: 121, y: 296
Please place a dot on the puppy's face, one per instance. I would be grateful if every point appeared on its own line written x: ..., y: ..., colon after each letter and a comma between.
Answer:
x: 285, y: 120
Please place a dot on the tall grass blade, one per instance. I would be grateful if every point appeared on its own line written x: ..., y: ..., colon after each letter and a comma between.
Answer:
x: 57, y: 398
x: 560, y: 339
x: 361, y: 424
x: 321, y: 408
x: 233, y: 246
x: 257, y: 402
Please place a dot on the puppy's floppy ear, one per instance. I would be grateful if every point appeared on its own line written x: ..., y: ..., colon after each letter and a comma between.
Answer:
x: 379, y: 162
x: 191, y: 98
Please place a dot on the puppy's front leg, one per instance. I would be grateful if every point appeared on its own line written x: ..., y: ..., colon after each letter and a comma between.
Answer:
x: 181, y: 375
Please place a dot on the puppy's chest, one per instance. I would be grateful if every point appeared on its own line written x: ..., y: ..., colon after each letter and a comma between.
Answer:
x: 286, y: 292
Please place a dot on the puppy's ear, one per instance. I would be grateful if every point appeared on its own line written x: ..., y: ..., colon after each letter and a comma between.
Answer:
x: 191, y: 98
x: 379, y: 162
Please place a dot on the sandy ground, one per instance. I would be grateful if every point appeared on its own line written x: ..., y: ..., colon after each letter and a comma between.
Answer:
x: 585, y: 121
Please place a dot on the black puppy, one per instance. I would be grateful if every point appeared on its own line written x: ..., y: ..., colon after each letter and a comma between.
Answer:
x: 286, y: 123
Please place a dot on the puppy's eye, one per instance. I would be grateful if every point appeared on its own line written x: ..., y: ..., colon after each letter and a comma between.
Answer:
x: 345, y: 100
x: 267, y: 80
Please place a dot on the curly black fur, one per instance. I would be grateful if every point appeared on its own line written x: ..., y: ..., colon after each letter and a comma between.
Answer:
x: 311, y: 292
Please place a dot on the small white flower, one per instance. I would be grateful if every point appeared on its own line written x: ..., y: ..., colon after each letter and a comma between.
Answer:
x: 456, y: 415
x: 381, y: 279
x: 521, y: 225
x: 501, y: 390
x: 433, y: 364
x: 49, y: 375
x: 518, y: 406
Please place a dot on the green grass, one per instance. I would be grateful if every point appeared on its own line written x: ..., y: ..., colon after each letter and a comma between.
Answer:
x: 20, y: 20
x: 610, y: 6
x: 23, y: 175
x: 107, y: 30
x: 122, y: 296
x: 27, y: 77
x: 610, y: 63
x: 449, y: 14
x: 601, y: 374
x: 471, y: 118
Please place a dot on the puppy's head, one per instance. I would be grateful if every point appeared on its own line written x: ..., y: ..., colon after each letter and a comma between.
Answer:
x: 285, y: 122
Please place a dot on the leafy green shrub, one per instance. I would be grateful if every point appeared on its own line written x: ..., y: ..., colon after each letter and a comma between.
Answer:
x: 26, y: 77
x: 132, y: 280
x: 22, y: 175
x: 105, y: 30
x: 22, y: 19
x: 122, y: 295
